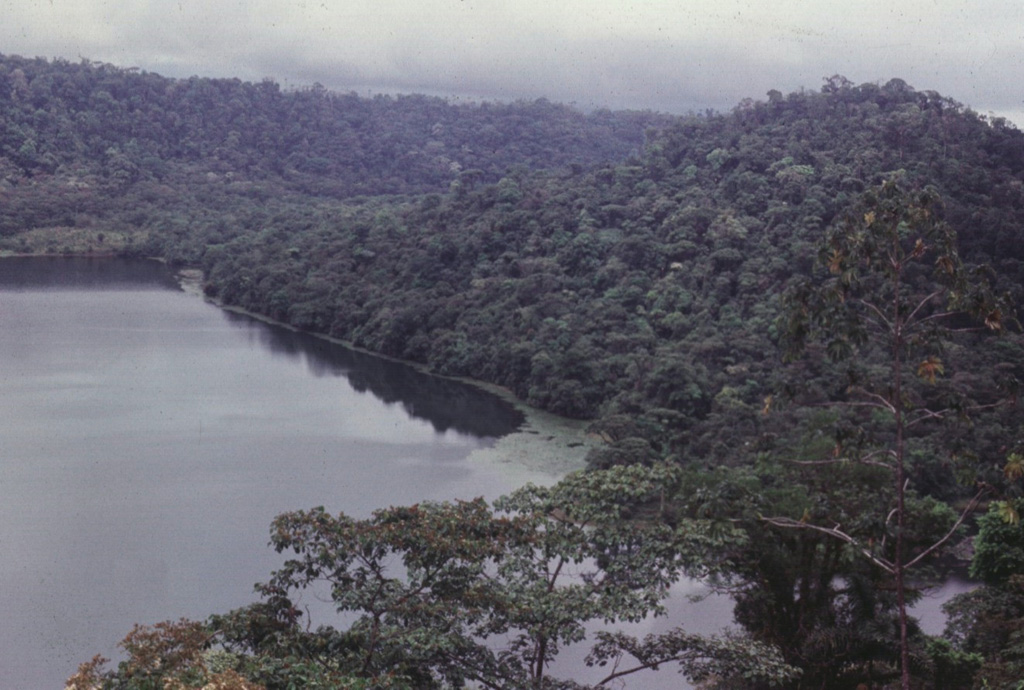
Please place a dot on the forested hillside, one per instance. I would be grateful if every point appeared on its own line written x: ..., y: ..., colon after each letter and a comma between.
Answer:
x: 542, y: 256
x: 76, y: 126
x: 627, y: 268
x: 645, y: 285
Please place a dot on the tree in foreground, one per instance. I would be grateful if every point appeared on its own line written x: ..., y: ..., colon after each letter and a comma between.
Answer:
x: 985, y: 626
x: 829, y: 613
x: 464, y: 594
x: 894, y: 314
x: 173, y: 655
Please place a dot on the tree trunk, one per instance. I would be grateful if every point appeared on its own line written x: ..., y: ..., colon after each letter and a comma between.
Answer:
x: 897, y: 403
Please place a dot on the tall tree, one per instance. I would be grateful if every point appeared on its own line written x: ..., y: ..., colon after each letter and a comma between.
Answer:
x: 895, y: 299
x: 829, y: 613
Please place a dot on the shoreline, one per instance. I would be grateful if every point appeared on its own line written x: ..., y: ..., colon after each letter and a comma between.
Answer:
x: 545, y: 443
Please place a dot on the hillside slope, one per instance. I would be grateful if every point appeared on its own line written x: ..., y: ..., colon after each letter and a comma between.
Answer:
x: 641, y: 291
x: 645, y: 285
x: 75, y: 130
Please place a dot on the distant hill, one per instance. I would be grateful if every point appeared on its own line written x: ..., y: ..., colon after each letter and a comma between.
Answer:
x: 97, y: 123
x: 534, y: 247
x: 647, y: 287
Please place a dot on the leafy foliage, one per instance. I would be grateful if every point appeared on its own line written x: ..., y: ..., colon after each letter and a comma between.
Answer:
x: 441, y: 595
x: 989, y: 621
x: 827, y: 610
x: 490, y: 597
x: 895, y: 284
x: 999, y: 546
x: 589, y: 283
x: 93, y: 125
x: 168, y: 656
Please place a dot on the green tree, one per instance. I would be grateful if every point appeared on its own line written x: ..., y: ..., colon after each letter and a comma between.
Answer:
x: 999, y: 546
x: 445, y: 594
x: 173, y: 655
x: 988, y: 623
x: 895, y: 298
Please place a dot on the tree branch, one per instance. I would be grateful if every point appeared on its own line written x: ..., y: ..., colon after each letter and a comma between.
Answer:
x: 642, y: 667
x: 789, y: 523
x: 925, y: 416
x: 865, y: 460
x: 878, y: 312
x: 881, y: 401
x: 869, y: 458
x: 909, y: 321
x: 952, y: 530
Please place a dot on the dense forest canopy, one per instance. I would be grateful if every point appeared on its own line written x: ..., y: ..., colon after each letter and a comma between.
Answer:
x: 92, y: 123
x: 622, y: 267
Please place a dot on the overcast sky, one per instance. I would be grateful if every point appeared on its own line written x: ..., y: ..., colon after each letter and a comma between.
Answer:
x: 673, y: 55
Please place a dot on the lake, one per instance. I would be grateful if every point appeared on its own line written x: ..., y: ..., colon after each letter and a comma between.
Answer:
x: 148, y: 438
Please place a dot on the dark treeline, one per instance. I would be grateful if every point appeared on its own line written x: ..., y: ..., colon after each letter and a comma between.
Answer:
x: 622, y: 267
x: 95, y: 125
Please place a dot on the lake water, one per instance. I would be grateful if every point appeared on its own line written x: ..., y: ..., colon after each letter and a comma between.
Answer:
x: 148, y: 438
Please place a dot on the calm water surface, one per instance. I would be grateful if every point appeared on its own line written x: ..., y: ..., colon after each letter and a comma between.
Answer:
x: 147, y: 439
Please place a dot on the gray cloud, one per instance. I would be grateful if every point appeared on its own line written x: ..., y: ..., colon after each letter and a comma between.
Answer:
x: 660, y: 54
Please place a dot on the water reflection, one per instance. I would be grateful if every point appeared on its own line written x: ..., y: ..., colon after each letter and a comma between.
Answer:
x: 147, y: 440
x: 445, y: 404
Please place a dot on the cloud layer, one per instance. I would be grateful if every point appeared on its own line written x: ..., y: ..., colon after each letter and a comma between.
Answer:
x: 666, y: 55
